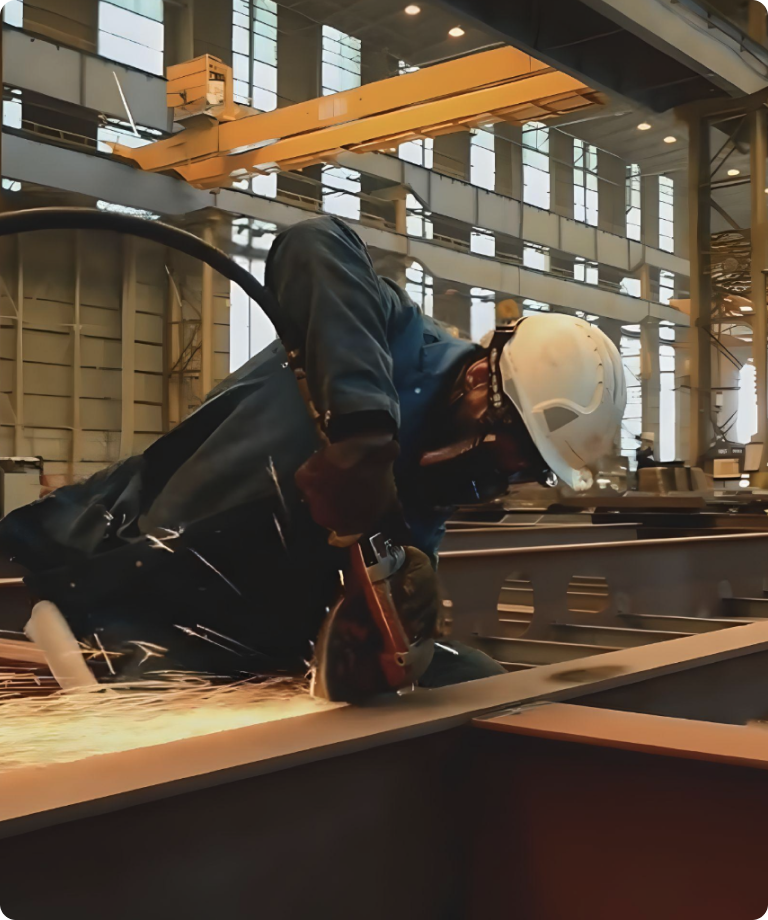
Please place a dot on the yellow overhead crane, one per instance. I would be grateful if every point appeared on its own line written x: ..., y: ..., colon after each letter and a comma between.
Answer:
x: 222, y: 143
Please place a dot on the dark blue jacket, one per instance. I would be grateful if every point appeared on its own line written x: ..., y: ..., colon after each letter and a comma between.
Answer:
x: 206, y: 530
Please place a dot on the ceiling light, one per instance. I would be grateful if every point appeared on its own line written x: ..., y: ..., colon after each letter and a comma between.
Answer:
x: 413, y: 10
x: 670, y: 139
x: 456, y: 32
x: 734, y: 172
x: 644, y: 126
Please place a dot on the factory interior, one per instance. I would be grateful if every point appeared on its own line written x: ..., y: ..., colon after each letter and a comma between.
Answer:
x: 384, y: 459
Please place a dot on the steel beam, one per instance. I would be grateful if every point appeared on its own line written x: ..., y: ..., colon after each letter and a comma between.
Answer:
x: 680, y: 576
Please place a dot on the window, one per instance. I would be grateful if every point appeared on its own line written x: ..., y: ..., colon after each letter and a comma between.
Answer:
x: 12, y: 109
x: 341, y: 192
x: 667, y: 401
x: 420, y: 287
x: 483, y: 243
x: 254, y: 62
x: 746, y: 418
x: 254, y: 53
x: 132, y: 32
x: 416, y: 224
x: 666, y: 214
x: 535, y: 256
x: 666, y: 287
x: 117, y: 131
x: 631, y: 286
x: 585, y: 271
x: 482, y: 315
x: 420, y: 152
x: 249, y: 329
x: 13, y: 13
x: 342, y: 62
x: 482, y: 159
x: 632, y: 424
x: 585, y: 194
x: 536, y: 178
x: 634, y: 202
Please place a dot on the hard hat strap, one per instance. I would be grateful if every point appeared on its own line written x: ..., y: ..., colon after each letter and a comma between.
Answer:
x: 499, y: 406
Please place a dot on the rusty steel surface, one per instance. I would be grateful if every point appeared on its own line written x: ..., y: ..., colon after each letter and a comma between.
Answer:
x: 54, y: 793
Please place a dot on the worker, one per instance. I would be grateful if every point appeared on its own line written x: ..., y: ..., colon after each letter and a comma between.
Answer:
x: 210, y: 552
x: 645, y: 451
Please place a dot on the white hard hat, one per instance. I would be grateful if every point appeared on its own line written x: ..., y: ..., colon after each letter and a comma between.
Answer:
x: 566, y: 379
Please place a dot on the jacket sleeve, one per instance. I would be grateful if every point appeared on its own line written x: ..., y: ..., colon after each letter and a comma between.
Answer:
x: 337, y: 313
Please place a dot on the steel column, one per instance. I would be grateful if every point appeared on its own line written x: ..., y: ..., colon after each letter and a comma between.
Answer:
x: 701, y: 289
x: 758, y: 154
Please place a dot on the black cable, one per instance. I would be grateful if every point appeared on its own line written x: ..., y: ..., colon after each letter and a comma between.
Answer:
x: 13, y: 222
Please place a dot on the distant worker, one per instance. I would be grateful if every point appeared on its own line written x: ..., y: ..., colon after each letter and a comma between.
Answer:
x: 210, y: 552
x: 645, y: 451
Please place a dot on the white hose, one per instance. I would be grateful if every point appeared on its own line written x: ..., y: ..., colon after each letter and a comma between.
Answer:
x: 50, y: 632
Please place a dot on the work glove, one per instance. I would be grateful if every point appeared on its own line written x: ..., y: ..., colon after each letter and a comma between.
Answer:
x: 350, y: 485
x: 415, y: 593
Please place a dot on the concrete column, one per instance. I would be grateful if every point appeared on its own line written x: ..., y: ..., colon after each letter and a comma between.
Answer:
x: 649, y: 194
x: 509, y: 160
x: 179, y: 33
x: 645, y: 281
x: 401, y: 215
x: 612, y: 173
x: 377, y: 65
x: 650, y: 380
x: 454, y: 308
x: 299, y: 53
x: 561, y: 172
x: 213, y: 30
x: 682, y: 240
x: 452, y: 155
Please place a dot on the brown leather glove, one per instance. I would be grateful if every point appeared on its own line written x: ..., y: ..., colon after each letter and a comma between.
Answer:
x: 415, y: 592
x: 350, y: 485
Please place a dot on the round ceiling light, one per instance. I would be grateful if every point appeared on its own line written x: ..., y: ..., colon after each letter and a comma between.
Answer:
x: 456, y: 32
x: 413, y: 10
x: 734, y: 172
x: 644, y: 126
x: 670, y: 139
